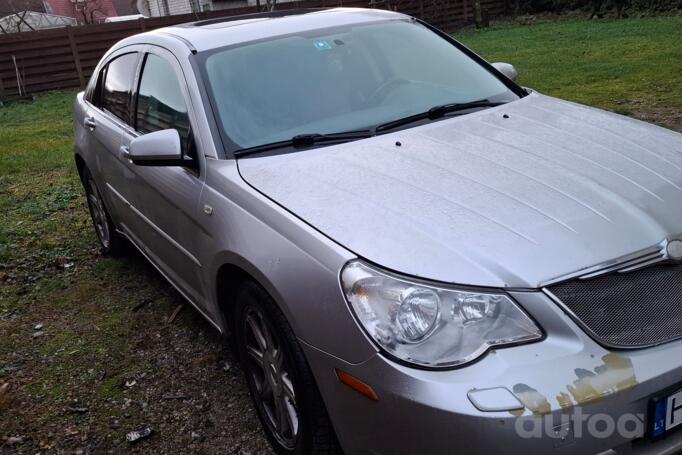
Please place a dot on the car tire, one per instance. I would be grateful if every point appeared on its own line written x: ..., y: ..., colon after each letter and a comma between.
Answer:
x: 276, y: 372
x: 111, y: 243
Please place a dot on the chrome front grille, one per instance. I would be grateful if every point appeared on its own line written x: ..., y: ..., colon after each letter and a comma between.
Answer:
x: 627, y: 310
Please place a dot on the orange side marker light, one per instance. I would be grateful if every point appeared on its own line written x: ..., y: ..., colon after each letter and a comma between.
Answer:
x: 357, y: 385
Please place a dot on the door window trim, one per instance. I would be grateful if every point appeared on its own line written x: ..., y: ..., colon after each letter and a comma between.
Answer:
x: 127, y: 120
x: 102, y: 67
x: 172, y: 60
x: 142, y: 49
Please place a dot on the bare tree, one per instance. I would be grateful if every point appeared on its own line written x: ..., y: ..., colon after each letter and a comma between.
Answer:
x: 86, y: 10
x: 19, y: 9
x: 268, y: 6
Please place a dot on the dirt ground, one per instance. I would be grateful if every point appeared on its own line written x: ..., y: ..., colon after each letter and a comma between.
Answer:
x: 176, y: 378
x: 666, y: 117
x: 88, y: 350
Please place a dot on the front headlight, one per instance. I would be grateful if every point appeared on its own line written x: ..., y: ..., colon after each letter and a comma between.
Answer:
x: 430, y: 325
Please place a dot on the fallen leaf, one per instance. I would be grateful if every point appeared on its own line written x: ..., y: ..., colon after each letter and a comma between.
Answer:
x: 14, y: 440
x: 136, y: 435
x: 175, y: 313
x: 76, y: 409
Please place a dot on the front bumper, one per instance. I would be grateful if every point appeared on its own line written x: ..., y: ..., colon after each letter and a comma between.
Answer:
x: 577, y: 397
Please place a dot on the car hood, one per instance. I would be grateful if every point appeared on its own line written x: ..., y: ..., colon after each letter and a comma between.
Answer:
x: 513, y: 196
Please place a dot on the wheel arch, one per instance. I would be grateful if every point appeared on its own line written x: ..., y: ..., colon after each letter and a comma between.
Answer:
x: 80, y: 164
x: 228, y: 278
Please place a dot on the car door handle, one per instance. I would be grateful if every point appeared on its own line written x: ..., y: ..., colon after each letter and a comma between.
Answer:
x: 90, y: 123
x: 125, y: 152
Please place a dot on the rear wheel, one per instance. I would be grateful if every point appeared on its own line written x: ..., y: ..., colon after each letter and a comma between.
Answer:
x: 287, y: 400
x: 111, y: 243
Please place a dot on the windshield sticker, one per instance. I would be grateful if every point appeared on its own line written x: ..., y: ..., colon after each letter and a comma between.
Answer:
x: 322, y: 45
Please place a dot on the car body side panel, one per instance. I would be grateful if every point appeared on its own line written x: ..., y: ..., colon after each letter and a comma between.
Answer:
x: 116, y: 176
x: 169, y: 208
x: 298, y: 266
x: 96, y: 144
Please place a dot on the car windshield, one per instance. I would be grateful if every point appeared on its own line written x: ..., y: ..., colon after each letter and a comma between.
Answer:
x: 341, y: 79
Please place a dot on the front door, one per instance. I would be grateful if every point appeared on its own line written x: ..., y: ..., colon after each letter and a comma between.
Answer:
x: 168, y: 196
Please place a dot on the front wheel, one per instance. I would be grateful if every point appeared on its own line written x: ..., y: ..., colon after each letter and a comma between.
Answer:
x: 281, y: 384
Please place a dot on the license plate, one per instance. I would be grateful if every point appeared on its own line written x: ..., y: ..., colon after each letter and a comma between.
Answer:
x: 667, y: 412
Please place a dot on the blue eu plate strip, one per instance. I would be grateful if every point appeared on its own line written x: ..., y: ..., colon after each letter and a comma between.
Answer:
x: 659, y: 419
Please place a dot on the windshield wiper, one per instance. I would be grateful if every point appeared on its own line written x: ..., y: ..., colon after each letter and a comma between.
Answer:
x: 435, y: 113
x: 308, y: 140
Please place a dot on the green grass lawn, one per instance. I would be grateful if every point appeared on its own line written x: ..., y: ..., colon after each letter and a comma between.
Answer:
x: 627, y: 65
x: 38, y: 182
x: 93, y: 341
x: 75, y: 326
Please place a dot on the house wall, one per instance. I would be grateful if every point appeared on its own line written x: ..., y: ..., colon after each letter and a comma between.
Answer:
x: 99, y: 9
x: 124, y: 7
x: 159, y: 8
x: 228, y: 4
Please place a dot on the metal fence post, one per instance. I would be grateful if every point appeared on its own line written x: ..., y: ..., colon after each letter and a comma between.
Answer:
x: 76, y: 58
x: 2, y: 91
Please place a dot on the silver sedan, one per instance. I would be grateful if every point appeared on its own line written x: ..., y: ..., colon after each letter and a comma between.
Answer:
x: 411, y: 252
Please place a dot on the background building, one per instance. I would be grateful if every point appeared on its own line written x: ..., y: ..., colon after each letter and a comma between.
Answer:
x: 157, y: 8
x: 27, y: 15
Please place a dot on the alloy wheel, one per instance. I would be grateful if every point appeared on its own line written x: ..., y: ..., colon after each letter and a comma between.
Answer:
x: 271, y: 379
x: 98, y: 213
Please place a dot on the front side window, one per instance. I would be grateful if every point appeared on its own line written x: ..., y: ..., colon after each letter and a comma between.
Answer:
x: 160, y: 103
x: 117, y: 86
x: 341, y: 79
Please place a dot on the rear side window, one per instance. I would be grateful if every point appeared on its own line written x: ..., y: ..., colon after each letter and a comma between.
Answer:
x: 118, y: 85
x: 160, y: 103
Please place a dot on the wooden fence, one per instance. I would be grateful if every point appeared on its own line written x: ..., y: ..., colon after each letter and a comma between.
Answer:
x: 32, y: 62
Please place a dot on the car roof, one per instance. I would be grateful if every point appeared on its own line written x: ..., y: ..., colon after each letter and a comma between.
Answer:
x: 221, y: 32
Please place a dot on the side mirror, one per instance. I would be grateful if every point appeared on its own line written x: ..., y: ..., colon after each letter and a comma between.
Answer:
x: 160, y: 148
x: 506, y: 69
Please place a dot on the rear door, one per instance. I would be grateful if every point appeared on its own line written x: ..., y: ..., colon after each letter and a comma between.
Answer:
x: 107, y: 118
